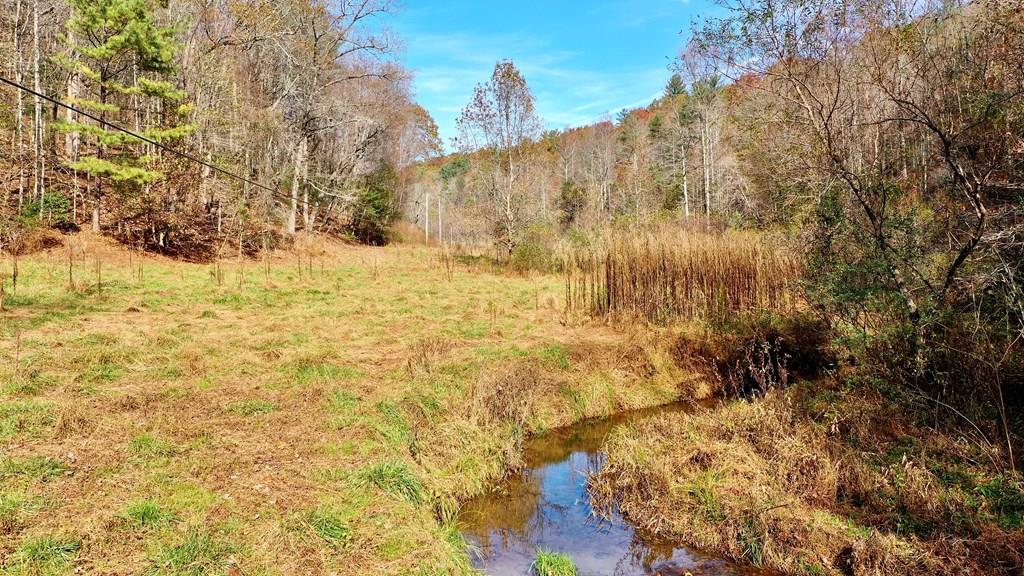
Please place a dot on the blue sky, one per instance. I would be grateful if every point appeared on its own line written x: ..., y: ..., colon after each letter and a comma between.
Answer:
x: 583, y: 60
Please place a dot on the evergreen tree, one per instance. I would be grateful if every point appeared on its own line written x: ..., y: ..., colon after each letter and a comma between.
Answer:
x: 122, y: 58
x: 675, y: 87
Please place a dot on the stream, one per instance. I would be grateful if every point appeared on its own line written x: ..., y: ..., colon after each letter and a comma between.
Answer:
x: 546, y: 506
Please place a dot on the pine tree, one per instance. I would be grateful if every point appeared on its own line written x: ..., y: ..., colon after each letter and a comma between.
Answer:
x: 123, y: 59
x: 675, y: 87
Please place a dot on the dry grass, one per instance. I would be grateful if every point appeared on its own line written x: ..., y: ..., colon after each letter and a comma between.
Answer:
x: 819, y: 480
x: 680, y: 274
x: 324, y: 414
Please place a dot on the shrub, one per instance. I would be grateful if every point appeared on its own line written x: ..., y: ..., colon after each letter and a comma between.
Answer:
x: 51, y: 210
x: 373, y: 211
x: 534, y: 252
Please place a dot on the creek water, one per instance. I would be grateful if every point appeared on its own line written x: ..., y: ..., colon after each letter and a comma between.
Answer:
x: 546, y: 505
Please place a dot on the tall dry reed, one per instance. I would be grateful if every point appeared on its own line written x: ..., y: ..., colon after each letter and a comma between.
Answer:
x: 680, y: 274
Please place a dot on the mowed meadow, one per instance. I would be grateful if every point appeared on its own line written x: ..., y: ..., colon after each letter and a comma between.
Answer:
x: 321, y: 410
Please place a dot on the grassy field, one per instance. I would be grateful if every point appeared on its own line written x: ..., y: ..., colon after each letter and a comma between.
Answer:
x: 322, y: 421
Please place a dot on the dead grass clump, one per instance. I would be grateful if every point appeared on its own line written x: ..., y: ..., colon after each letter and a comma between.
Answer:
x: 680, y: 274
x: 403, y: 232
x: 194, y: 362
x: 34, y: 240
x: 427, y: 354
x: 72, y: 421
x: 509, y: 394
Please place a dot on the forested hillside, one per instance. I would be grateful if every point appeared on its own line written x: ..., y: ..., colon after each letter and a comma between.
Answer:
x: 304, y: 100
x: 883, y: 143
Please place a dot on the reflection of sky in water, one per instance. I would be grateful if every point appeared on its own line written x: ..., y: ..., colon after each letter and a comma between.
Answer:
x: 547, y: 506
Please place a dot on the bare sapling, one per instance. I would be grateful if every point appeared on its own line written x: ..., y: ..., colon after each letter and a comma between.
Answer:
x: 217, y: 272
x: 71, y: 266
x: 241, y: 262
x: 14, y: 273
x: 448, y: 264
x: 492, y: 308
x: 17, y: 352
x: 266, y: 257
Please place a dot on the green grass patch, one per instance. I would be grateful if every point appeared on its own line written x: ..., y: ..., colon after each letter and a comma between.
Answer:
x: 395, y: 478
x: 307, y: 371
x: 43, y: 556
x: 392, y: 425
x: 189, y: 498
x: 556, y: 356
x: 101, y: 372
x: 1005, y: 499
x: 145, y: 514
x: 201, y: 553
x: 251, y: 407
x: 149, y: 446
x: 26, y: 383
x: 701, y: 491
x: 13, y: 508
x: 37, y: 467
x: 473, y: 330
x: 553, y: 564
x: 343, y: 404
x: 329, y: 526
x: 29, y: 417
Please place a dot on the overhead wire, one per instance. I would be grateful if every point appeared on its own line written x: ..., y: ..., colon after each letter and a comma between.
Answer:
x: 160, y: 145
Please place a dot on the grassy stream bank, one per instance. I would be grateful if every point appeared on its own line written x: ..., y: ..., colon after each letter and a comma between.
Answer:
x: 324, y: 413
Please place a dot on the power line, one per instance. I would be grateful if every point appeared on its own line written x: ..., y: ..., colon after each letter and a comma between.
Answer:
x: 185, y: 155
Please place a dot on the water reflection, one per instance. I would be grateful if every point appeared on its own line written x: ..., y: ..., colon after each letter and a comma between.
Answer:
x: 547, y: 506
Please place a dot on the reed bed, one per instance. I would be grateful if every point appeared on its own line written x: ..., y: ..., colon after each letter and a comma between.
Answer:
x: 680, y: 275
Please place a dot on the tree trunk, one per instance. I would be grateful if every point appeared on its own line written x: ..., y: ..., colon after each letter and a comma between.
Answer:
x: 100, y: 153
x: 20, y: 105
x: 38, y: 110
x: 72, y: 138
x: 705, y: 147
x: 299, y: 160
x: 96, y: 209
x: 307, y: 221
x: 686, y: 188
